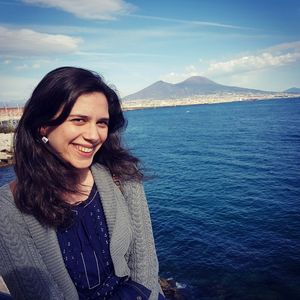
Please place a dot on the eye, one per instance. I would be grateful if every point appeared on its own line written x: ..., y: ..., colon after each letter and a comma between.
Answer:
x: 77, y: 121
x: 103, y: 123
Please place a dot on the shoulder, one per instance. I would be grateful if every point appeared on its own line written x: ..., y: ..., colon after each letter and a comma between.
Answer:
x: 8, y: 209
x: 6, y: 196
x: 100, y: 170
x: 133, y: 192
x: 132, y: 186
x: 131, y: 189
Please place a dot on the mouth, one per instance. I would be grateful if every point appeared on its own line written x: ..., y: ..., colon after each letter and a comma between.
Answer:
x: 84, y: 150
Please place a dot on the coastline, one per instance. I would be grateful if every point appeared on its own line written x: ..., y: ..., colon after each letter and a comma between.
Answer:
x: 203, y: 99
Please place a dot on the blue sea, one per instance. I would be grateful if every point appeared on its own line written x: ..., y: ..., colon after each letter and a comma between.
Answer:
x: 224, y: 196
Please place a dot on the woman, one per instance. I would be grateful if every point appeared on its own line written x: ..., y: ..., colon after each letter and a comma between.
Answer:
x: 75, y: 223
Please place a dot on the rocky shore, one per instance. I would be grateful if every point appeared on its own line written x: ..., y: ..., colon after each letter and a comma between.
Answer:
x: 6, y: 155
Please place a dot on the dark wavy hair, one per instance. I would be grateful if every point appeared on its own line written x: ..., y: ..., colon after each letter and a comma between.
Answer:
x: 42, y: 175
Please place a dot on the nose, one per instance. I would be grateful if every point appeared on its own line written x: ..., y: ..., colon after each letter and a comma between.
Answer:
x: 91, y: 133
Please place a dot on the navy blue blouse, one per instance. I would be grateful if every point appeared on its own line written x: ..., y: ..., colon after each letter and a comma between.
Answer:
x: 85, y: 250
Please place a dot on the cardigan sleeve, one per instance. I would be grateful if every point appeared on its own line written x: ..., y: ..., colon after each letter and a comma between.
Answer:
x: 142, y: 259
x: 21, y: 266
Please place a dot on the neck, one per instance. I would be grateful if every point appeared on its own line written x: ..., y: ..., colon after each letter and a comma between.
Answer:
x: 85, y: 185
x: 86, y: 178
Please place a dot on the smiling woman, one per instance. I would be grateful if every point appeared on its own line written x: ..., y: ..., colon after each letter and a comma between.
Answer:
x: 66, y: 225
x: 82, y: 134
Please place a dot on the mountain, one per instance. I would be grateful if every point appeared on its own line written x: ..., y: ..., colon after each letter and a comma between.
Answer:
x: 193, y: 86
x: 154, y: 91
x: 293, y: 90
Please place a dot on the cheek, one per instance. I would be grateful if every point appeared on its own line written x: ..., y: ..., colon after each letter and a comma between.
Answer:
x: 63, y: 133
x: 104, y: 135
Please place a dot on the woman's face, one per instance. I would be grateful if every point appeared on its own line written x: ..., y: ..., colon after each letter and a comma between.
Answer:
x: 83, y: 133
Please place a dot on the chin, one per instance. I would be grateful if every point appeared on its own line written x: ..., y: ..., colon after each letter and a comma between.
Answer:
x: 82, y: 165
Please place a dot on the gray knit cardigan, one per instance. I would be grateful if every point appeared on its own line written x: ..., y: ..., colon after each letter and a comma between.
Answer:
x: 30, y: 258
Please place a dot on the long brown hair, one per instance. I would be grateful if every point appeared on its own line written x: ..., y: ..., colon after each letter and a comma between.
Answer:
x: 42, y: 175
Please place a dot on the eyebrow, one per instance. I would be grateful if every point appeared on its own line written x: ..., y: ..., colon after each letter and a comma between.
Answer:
x: 87, y: 117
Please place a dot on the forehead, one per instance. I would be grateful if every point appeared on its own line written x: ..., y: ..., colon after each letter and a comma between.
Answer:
x: 92, y: 103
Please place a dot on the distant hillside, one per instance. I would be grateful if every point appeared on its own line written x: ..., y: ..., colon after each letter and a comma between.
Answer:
x: 293, y: 90
x: 193, y: 86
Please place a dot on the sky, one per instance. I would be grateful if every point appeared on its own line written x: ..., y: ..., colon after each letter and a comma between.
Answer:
x: 132, y: 44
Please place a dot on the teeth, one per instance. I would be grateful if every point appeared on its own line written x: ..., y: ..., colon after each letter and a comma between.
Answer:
x: 84, y: 149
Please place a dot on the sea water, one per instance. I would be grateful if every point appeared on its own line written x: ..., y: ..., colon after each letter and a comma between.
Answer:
x: 224, y: 195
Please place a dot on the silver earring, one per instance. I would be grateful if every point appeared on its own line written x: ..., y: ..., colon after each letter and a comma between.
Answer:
x: 45, y: 140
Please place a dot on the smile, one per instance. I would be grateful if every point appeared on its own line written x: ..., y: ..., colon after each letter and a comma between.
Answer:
x: 84, y: 149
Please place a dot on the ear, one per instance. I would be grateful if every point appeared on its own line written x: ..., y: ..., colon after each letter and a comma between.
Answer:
x: 43, y: 131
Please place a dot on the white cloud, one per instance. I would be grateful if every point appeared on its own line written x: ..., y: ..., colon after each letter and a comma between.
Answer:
x: 189, y: 22
x: 278, y: 55
x: 251, y: 70
x: 29, y: 42
x: 27, y: 66
x: 22, y: 67
x: 92, y: 9
x: 119, y: 54
x: 36, y: 66
x: 285, y: 46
